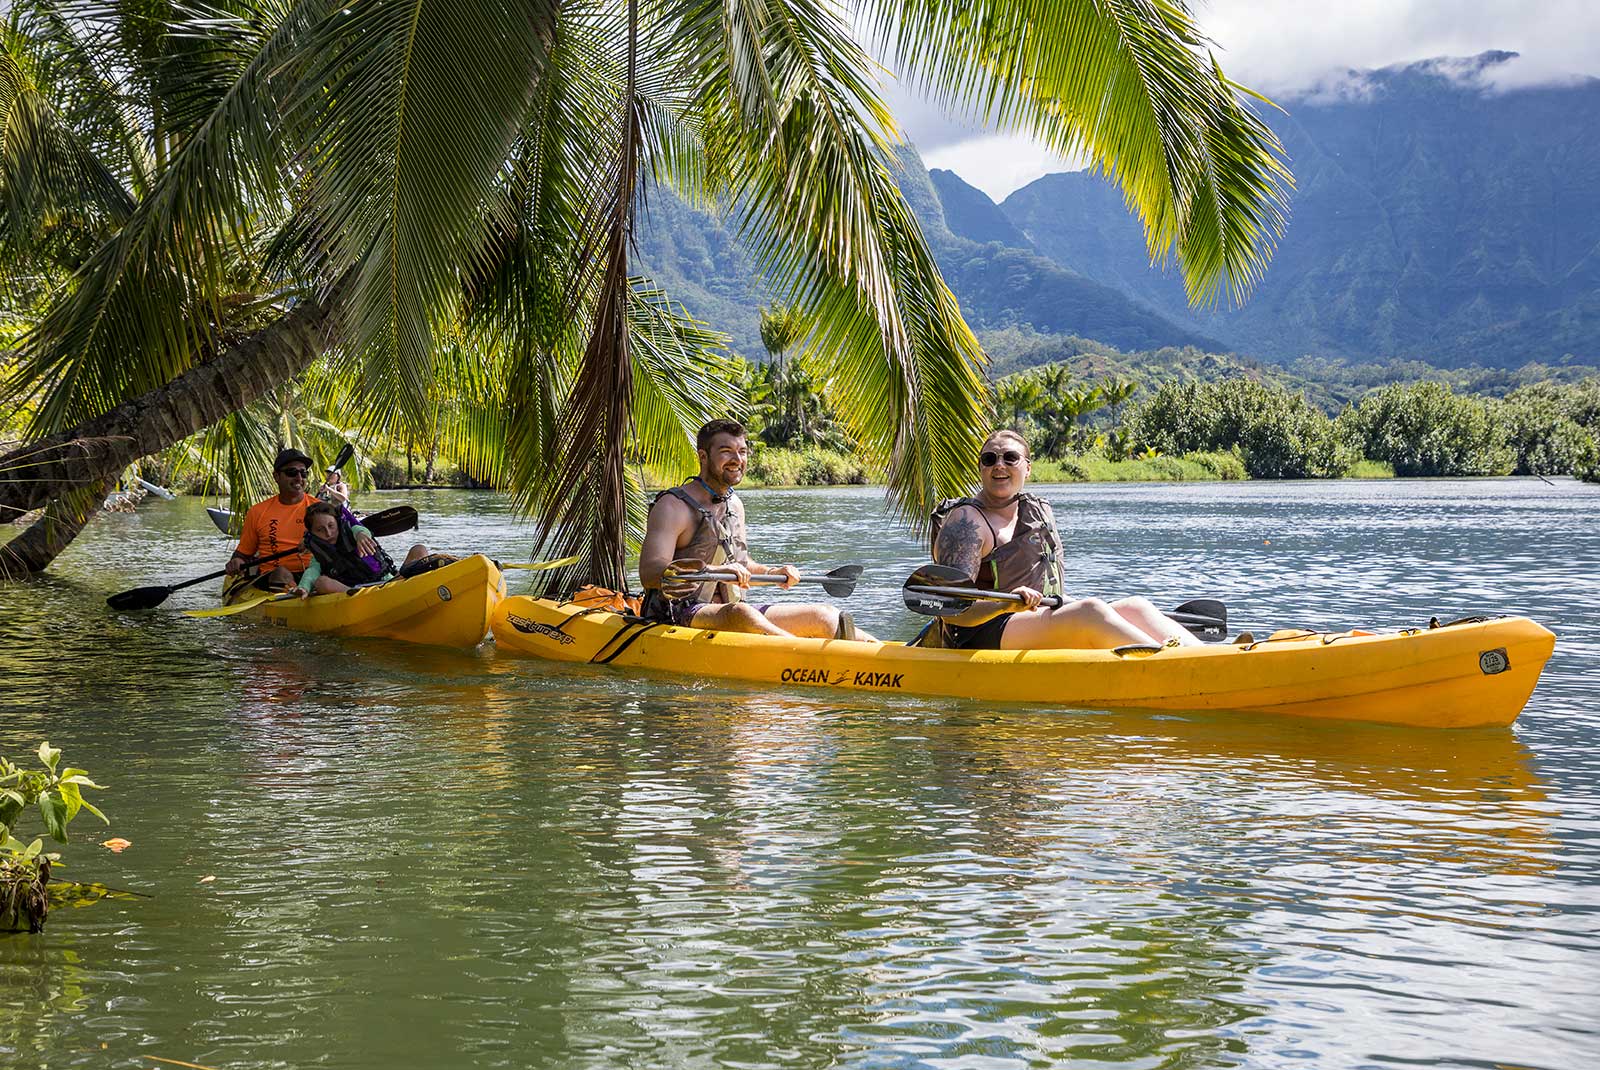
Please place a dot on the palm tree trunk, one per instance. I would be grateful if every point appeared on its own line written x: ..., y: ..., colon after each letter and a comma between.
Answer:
x: 428, y: 473
x: 51, y: 469
x: 53, y: 532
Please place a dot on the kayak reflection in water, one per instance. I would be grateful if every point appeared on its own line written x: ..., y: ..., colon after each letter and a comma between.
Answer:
x: 700, y: 524
x: 1006, y: 540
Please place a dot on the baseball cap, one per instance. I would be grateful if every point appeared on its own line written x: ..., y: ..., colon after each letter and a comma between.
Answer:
x: 288, y: 456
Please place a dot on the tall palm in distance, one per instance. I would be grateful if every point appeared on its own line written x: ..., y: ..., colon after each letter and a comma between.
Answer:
x: 391, y: 172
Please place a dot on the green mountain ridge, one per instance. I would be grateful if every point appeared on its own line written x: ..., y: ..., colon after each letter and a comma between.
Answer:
x: 698, y: 259
x: 1433, y: 218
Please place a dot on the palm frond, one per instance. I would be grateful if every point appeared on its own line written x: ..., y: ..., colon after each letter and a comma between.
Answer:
x: 148, y: 304
x: 415, y: 107
x: 57, y: 197
x: 817, y: 203
x: 1128, y: 84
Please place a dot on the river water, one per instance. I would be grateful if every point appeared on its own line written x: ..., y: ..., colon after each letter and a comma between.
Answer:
x: 363, y: 854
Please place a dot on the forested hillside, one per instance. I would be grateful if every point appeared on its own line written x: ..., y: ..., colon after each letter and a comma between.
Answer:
x: 1433, y: 219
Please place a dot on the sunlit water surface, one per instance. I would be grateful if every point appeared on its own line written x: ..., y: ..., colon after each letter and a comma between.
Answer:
x: 427, y: 858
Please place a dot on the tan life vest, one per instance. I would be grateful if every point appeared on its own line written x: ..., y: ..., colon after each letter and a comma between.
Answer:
x: 718, y: 537
x: 1032, y: 557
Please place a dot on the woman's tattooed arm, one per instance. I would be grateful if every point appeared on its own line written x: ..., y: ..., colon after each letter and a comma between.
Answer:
x: 960, y: 542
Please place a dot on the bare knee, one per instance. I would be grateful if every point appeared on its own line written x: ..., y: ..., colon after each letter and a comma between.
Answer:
x: 1093, y: 608
x: 327, y: 585
x: 1137, y: 604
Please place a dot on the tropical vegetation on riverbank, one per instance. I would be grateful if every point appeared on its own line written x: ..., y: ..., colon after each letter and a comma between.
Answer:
x: 261, y: 188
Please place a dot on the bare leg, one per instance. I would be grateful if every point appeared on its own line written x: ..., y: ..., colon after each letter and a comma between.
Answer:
x: 1142, y: 614
x: 327, y: 585
x: 415, y: 554
x: 1087, y: 624
x: 811, y: 621
x: 280, y: 578
x: 734, y: 617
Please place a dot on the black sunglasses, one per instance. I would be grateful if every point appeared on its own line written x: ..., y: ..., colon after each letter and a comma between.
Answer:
x: 295, y: 472
x: 989, y: 458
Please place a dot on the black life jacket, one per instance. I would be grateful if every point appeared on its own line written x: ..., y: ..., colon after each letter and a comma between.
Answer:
x: 341, y: 560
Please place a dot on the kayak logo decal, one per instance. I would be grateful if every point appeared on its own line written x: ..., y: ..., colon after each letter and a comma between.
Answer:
x: 835, y: 677
x: 534, y: 627
x: 444, y: 593
x: 1493, y: 662
x: 813, y: 676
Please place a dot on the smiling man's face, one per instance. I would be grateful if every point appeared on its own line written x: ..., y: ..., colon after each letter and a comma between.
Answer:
x: 291, y: 479
x: 726, y: 459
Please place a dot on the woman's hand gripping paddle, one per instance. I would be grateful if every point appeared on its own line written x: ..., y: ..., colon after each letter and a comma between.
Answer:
x: 840, y: 583
x: 942, y: 591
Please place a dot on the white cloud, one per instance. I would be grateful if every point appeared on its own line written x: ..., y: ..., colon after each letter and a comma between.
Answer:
x: 1293, y: 50
x: 997, y: 163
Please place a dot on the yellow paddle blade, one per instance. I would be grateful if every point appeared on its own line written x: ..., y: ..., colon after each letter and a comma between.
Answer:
x: 237, y: 607
x: 540, y: 566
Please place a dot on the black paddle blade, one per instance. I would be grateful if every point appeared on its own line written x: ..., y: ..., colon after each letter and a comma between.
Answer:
x: 347, y: 451
x: 1207, y: 618
x: 935, y: 605
x: 139, y: 598
x: 841, y: 582
x: 390, y: 521
x: 1205, y: 607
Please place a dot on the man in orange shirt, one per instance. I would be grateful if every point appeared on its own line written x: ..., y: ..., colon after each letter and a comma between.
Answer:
x: 276, y: 525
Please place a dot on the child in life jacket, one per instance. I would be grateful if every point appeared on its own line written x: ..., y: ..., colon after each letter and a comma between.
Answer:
x: 337, y: 564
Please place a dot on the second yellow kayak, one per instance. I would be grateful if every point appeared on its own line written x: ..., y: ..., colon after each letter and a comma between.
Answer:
x: 449, y: 606
x: 1463, y: 675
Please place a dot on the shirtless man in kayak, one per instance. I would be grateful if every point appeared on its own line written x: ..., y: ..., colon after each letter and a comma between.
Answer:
x: 1006, y: 540
x: 278, y: 524
x: 699, y: 526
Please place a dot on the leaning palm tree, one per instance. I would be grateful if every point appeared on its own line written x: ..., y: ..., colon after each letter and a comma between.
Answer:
x: 393, y: 171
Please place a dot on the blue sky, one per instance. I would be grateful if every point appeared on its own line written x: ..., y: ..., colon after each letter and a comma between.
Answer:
x: 1288, y: 48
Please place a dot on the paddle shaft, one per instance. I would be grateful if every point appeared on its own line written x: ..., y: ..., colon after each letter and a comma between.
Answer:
x: 760, y: 579
x: 248, y: 562
x: 1048, y: 602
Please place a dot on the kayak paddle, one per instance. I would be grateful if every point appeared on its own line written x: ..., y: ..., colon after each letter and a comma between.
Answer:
x: 942, y: 591
x: 840, y: 583
x: 151, y: 597
x: 540, y: 566
x: 388, y: 522
x: 240, y: 607
x: 391, y: 521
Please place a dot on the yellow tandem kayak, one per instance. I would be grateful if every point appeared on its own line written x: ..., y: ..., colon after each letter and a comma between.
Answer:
x: 1464, y: 675
x: 449, y: 606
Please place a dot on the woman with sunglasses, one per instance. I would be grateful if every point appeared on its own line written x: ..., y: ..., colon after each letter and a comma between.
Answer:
x: 1006, y: 540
